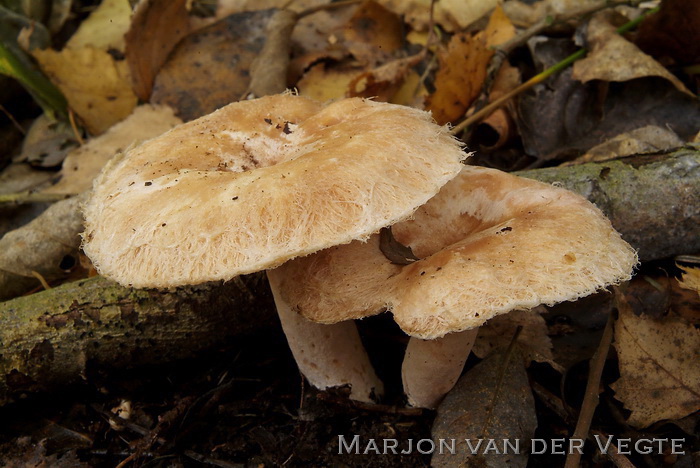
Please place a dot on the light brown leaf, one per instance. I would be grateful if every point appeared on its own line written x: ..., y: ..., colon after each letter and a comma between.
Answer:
x: 105, y: 27
x: 452, y: 15
x: 659, y: 375
x: 325, y: 84
x: 690, y: 279
x: 84, y: 164
x: 614, y: 58
x: 94, y: 83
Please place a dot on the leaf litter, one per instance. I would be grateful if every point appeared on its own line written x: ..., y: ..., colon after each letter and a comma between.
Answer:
x: 395, y: 52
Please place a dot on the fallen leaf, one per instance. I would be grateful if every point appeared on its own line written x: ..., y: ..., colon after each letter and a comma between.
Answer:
x: 324, y: 84
x: 94, y: 83
x: 268, y: 72
x: 42, y: 245
x: 211, y: 67
x: 563, y: 118
x: 500, y: 123
x: 645, y: 140
x: 690, y: 279
x: 614, y: 58
x: 373, y: 33
x: 383, y: 82
x: 47, y: 142
x: 671, y: 34
x: 492, y: 401
x: 156, y: 27
x: 105, y: 27
x: 412, y: 92
x: 659, y: 375
x: 533, y: 339
x: 463, y: 68
x: 84, y: 164
x: 452, y: 15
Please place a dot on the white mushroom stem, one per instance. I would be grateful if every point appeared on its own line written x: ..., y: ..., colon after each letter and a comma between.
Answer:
x: 432, y: 367
x: 328, y: 355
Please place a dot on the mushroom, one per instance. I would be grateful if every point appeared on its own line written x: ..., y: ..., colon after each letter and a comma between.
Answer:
x: 488, y: 243
x: 260, y: 182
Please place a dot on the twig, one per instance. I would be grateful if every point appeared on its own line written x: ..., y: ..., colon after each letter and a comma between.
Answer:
x: 539, y: 78
x: 328, y: 6
x: 590, y: 400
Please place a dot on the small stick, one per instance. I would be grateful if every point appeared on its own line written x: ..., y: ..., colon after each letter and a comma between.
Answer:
x: 590, y: 400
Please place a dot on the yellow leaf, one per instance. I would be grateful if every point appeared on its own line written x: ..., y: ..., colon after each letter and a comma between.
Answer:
x: 105, y: 28
x: 96, y: 86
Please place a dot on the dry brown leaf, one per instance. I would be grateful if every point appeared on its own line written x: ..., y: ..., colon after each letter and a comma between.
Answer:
x: 501, y: 121
x: 671, y: 34
x: 94, y: 83
x: 156, y: 27
x: 84, y: 164
x: 614, y: 58
x: 659, y: 375
x: 373, y: 33
x: 533, y: 339
x: 412, y: 92
x: 492, y: 401
x: 452, y: 15
x: 383, y: 82
x: 644, y: 140
x: 211, y: 67
x: 690, y: 279
x: 105, y: 27
x: 268, y: 72
x: 325, y: 84
x: 463, y: 68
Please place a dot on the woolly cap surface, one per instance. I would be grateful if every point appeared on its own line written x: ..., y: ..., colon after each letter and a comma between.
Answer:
x: 489, y: 243
x: 259, y: 182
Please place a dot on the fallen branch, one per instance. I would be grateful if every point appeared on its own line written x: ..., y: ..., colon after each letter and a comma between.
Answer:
x: 49, y: 338
x: 653, y: 201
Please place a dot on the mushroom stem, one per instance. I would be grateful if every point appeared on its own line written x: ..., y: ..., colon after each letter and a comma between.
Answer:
x: 327, y: 355
x: 431, y: 367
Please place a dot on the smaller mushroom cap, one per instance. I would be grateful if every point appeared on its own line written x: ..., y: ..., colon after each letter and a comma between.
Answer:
x: 489, y: 243
x: 259, y: 182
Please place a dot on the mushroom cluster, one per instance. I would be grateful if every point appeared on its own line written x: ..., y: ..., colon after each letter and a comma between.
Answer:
x: 260, y: 182
x: 488, y: 243
x: 300, y: 189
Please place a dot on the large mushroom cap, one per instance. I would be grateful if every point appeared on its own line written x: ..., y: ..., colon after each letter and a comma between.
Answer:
x: 259, y: 182
x: 490, y: 243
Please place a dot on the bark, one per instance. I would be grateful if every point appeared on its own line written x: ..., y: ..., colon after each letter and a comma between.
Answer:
x: 653, y: 201
x: 48, y: 339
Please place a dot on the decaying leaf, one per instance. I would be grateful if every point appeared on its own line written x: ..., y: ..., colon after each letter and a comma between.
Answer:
x: 614, y: 58
x: 383, y: 82
x: 95, y: 84
x: 156, y: 27
x: 579, y: 116
x: 373, y: 33
x: 659, y: 375
x: 268, y: 72
x: 463, y: 68
x: 42, y: 245
x: 211, y: 67
x: 500, y: 121
x: 690, y: 279
x: 83, y: 164
x: 452, y: 15
x: 533, y: 339
x: 645, y: 140
x: 47, y: 142
x: 325, y: 84
x: 671, y: 34
x: 491, y: 403
x: 104, y: 28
